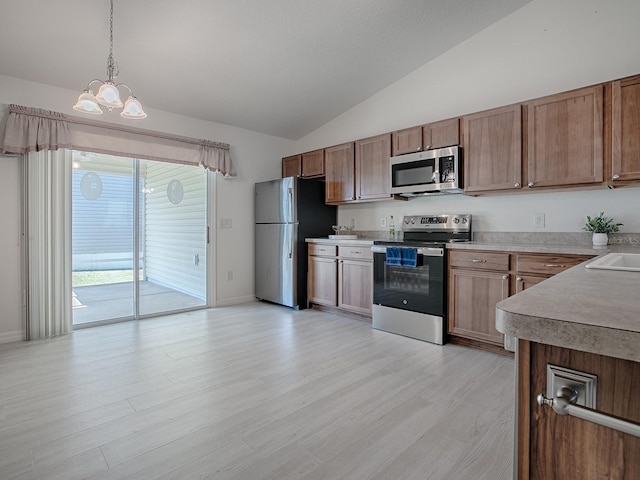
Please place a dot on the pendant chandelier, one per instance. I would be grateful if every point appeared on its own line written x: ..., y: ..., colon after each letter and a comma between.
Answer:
x: 108, y: 94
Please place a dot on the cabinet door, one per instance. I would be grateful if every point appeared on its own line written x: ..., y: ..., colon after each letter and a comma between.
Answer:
x: 472, y: 303
x: 565, y: 138
x: 313, y: 164
x: 525, y: 281
x: 339, y: 173
x: 625, y: 124
x: 441, y: 134
x: 407, y: 141
x: 355, y: 280
x: 373, y: 170
x: 291, y: 166
x: 322, y: 287
x: 492, y: 148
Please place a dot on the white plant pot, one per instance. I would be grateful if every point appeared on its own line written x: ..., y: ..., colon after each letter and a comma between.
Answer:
x: 600, y: 239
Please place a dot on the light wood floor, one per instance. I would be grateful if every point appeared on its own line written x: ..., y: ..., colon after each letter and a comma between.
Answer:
x: 252, y: 392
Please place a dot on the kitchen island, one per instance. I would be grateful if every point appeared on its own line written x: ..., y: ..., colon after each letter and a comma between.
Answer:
x: 585, y: 320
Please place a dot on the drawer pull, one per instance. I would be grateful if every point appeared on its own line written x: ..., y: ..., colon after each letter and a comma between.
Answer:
x: 356, y: 252
x: 554, y: 265
x: 518, y: 279
x: 476, y: 260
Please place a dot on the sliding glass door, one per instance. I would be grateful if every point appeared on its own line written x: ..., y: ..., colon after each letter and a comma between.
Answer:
x: 139, y: 238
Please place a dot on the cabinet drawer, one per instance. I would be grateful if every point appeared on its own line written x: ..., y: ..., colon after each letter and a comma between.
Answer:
x: 323, y: 250
x: 362, y: 252
x: 547, y: 264
x: 479, y: 260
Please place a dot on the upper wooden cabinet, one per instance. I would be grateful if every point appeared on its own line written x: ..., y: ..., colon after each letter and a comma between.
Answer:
x: 434, y: 135
x: 373, y: 175
x: 565, y: 138
x: 441, y: 134
x: 310, y: 164
x: 340, y: 173
x: 292, y: 166
x: 406, y: 141
x: 625, y: 130
x: 492, y: 149
x: 313, y: 163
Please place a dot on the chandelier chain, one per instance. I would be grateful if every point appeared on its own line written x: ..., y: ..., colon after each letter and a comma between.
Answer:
x: 112, y: 66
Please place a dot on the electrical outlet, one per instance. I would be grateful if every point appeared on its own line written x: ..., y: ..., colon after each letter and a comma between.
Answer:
x: 538, y: 220
x: 383, y: 222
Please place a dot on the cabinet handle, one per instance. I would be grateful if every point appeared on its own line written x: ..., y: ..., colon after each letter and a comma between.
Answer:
x: 427, y: 147
x: 517, y: 185
x: 564, y: 403
x: 518, y: 279
x: 418, y: 149
x: 616, y: 177
x: 530, y: 184
x: 505, y: 286
x: 476, y: 260
x: 356, y: 252
x: 554, y: 265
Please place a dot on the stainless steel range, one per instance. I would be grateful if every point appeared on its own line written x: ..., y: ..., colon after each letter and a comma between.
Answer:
x: 410, y: 276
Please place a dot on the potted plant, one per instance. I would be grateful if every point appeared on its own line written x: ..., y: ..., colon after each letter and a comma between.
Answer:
x: 601, y: 226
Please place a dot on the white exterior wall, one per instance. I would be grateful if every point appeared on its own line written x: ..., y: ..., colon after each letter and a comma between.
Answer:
x: 175, y: 233
x: 546, y: 47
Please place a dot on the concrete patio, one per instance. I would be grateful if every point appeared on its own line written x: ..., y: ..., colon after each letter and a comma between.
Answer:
x: 97, y: 303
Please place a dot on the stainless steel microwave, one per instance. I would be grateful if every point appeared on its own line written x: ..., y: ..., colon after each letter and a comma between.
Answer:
x: 427, y: 172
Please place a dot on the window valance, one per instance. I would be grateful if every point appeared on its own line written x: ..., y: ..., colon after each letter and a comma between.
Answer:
x: 33, y: 129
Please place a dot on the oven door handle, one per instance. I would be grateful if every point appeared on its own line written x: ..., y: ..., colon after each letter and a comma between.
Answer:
x: 426, y: 251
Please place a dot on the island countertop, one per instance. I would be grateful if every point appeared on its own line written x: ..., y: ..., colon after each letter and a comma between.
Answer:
x: 596, y: 311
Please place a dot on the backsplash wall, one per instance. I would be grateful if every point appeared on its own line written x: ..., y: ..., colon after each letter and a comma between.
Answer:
x: 564, y: 211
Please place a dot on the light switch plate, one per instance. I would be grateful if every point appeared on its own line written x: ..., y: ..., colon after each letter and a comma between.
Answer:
x: 584, y: 383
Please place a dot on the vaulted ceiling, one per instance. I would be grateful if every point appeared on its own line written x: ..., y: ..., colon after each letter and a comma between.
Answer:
x: 280, y: 67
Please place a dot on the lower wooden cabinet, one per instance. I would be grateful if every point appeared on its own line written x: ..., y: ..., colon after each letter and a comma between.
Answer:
x: 341, y: 276
x: 552, y: 446
x: 355, y: 290
x: 322, y: 287
x: 473, y: 294
x: 480, y: 279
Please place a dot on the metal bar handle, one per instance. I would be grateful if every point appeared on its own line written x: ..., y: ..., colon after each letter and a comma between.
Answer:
x: 476, y: 260
x: 564, y: 404
x: 426, y: 251
x: 552, y: 265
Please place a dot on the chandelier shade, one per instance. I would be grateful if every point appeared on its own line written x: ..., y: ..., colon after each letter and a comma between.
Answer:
x: 108, y: 95
x: 87, y: 103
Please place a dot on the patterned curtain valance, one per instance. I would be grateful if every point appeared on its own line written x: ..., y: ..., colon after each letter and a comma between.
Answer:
x: 33, y: 129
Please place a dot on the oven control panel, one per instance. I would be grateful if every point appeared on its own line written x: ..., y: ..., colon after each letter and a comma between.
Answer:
x: 420, y: 223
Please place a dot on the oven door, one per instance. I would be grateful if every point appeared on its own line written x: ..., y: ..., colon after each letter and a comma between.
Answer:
x: 416, y: 289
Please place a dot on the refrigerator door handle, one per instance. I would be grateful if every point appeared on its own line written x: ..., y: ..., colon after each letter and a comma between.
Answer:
x: 291, y: 218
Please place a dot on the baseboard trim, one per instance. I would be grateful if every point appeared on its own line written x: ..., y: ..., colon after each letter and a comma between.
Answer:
x: 227, y: 302
x: 15, y: 336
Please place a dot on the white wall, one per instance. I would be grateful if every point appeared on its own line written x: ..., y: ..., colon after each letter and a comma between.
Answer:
x: 548, y: 46
x: 10, y: 305
x: 256, y: 156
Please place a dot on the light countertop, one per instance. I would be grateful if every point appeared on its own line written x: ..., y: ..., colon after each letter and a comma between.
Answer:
x: 532, y: 248
x: 596, y: 311
x: 331, y: 241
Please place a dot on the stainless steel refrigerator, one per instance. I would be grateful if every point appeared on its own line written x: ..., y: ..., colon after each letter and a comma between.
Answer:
x: 287, y: 211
